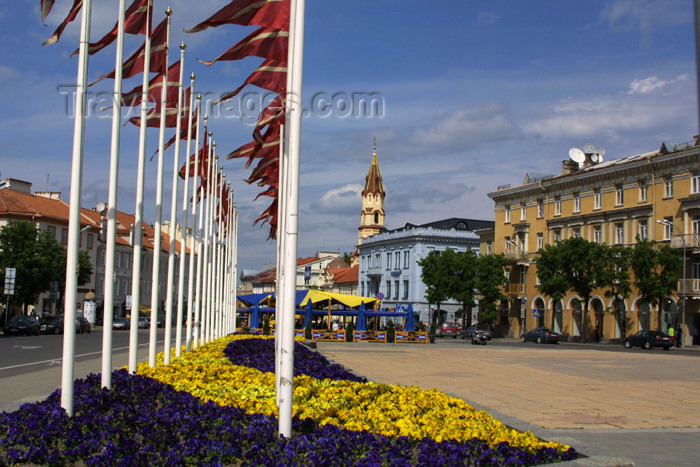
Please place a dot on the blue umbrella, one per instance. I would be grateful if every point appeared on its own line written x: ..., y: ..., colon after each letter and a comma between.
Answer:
x: 307, y: 315
x: 361, y: 322
x: 410, y: 324
x: 255, y: 317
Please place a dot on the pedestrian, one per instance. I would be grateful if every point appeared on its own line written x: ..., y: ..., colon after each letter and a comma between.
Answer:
x: 671, y: 334
x: 679, y: 335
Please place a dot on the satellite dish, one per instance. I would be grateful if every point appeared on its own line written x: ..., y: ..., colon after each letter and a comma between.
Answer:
x: 600, y: 151
x: 600, y: 157
x: 588, y: 148
x: 594, y: 158
x: 576, y: 155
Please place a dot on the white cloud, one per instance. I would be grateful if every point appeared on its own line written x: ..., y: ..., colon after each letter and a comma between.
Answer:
x: 488, y: 18
x: 652, y: 83
x: 339, y: 199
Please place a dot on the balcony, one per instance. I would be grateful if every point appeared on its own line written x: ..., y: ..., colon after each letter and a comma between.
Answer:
x: 514, y: 254
x: 516, y: 289
x: 689, y: 241
x: 692, y: 287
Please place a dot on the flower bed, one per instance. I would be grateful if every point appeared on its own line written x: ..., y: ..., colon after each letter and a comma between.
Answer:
x: 202, y: 409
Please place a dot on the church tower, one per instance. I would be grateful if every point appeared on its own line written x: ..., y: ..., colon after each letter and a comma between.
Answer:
x: 372, y: 218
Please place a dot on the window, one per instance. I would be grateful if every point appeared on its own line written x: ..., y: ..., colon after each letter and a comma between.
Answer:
x: 668, y: 186
x: 523, y: 212
x: 64, y: 236
x: 396, y: 290
x: 643, y: 191
x: 668, y: 228
x: 397, y: 260
x: 695, y: 182
x: 89, y: 241
x: 557, y: 235
x: 540, y: 240
x: 642, y: 229
x: 508, y: 245
x: 540, y: 208
x: 577, y: 201
x: 489, y: 247
x: 597, y: 198
x: 405, y: 290
x: 619, y: 233
x: 507, y: 213
x: 52, y: 230
x: 557, y: 205
x: 619, y: 194
x: 376, y: 218
x: 597, y: 234
x: 405, y: 259
x: 577, y: 232
x: 388, y: 289
x: 388, y: 261
x: 378, y: 260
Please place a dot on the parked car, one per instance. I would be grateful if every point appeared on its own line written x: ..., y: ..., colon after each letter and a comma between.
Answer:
x: 484, y: 328
x: 21, y: 324
x: 51, y: 325
x: 82, y: 325
x: 449, y: 329
x: 540, y: 335
x: 121, y: 324
x: 648, y: 339
x: 143, y: 322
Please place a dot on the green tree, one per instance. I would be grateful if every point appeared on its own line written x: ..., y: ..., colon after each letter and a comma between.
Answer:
x: 461, y: 278
x: 656, y: 273
x: 433, y: 273
x: 34, y: 255
x: 614, y: 277
x: 490, y: 283
x: 550, y: 272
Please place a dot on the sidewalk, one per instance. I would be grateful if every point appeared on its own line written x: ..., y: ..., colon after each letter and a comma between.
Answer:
x: 630, y: 405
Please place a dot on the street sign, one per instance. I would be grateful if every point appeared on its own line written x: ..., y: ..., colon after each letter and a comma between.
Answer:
x: 536, y: 313
x: 380, y: 296
x: 10, y: 281
x: 127, y: 304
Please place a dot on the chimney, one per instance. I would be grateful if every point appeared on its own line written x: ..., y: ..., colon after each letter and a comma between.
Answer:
x: 569, y: 167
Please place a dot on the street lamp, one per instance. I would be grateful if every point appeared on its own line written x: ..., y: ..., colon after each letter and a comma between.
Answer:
x: 670, y: 224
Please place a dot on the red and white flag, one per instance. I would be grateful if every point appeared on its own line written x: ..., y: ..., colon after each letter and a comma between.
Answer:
x: 265, y: 42
x: 136, y: 21
x: 46, y: 6
x: 72, y: 14
x: 135, y: 63
x: 272, y: 13
x: 155, y: 87
x: 153, y: 117
x: 271, y: 75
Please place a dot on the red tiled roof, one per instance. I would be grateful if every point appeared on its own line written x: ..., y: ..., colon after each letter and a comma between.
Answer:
x: 345, y: 275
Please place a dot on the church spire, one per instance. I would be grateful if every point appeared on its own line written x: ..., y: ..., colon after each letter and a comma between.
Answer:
x: 372, y: 217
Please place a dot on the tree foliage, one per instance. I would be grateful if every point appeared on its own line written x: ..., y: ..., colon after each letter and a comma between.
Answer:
x: 433, y: 273
x: 38, y: 259
x: 490, y: 283
x: 656, y: 272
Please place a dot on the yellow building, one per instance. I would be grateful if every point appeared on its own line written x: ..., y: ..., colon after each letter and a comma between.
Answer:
x: 609, y: 202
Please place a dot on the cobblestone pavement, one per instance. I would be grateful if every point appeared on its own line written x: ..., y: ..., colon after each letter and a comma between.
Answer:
x: 616, y: 403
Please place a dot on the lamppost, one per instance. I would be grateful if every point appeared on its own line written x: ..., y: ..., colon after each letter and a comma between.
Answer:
x: 670, y: 224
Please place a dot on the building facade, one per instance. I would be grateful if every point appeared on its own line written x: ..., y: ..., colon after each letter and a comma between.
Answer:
x: 654, y: 196
x: 389, y: 261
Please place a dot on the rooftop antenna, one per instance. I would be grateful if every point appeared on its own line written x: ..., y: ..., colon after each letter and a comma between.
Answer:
x: 576, y: 155
x: 47, y: 181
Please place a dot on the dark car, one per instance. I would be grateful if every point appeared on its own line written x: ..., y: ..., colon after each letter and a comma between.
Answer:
x: 485, y: 328
x: 648, y: 339
x: 448, y: 329
x: 540, y: 335
x: 51, y: 325
x: 21, y: 324
x: 82, y: 325
x: 121, y: 324
x: 144, y: 323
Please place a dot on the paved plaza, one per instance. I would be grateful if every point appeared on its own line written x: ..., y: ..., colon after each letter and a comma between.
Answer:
x: 643, y: 406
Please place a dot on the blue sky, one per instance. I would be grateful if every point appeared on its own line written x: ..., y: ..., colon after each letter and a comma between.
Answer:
x: 474, y: 95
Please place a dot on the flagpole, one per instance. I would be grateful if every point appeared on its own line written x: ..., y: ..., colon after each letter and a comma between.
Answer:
x: 281, y: 218
x: 71, y: 294
x: 111, y: 233
x: 137, y: 240
x: 183, y: 228
x: 292, y: 216
x: 173, y: 218
x: 205, y: 246
x: 200, y: 249
x: 191, y: 291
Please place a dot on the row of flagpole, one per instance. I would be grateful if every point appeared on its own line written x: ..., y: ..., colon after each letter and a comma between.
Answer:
x: 210, y: 310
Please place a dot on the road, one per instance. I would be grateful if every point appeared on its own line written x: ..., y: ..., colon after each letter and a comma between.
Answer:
x: 31, y: 366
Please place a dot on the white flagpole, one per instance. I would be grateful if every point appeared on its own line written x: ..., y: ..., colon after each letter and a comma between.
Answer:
x: 71, y: 294
x: 219, y: 260
x: 192, y: 295
x: 111, y: 233
x: 183, y: 230
x: 281, y: 218
x: 235, y: 265
x: 291, y: 225
x: 200, y: 252
x: 205, y: 246
x: 157, y: 224
x: 173, y: 219
x: 209, y: 250
x: 137, y: 241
